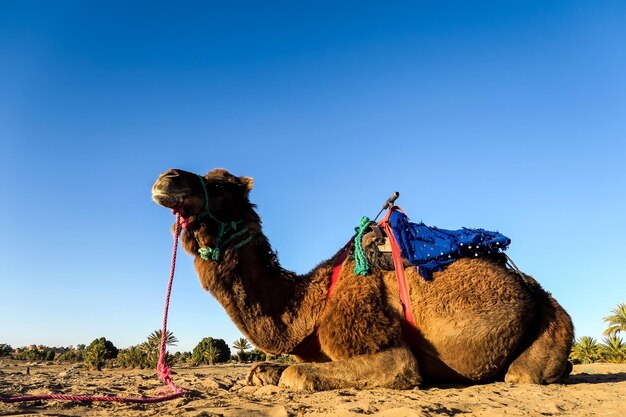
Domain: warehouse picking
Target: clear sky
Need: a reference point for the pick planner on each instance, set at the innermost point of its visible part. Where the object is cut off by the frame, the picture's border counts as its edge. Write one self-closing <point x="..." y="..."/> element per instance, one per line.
<point x="502" y="115"/>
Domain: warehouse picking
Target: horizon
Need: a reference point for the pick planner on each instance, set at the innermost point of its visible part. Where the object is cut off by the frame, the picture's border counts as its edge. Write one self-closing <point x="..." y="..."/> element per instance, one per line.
<point x="506" y="117"/>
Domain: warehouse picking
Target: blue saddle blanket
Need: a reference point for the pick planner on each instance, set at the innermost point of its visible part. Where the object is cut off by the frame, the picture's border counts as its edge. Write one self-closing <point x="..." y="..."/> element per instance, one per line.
<point x="432" y="249"/>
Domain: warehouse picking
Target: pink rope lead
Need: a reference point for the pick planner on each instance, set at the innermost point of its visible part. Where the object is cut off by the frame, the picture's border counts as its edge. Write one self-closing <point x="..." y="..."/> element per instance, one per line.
<point x="162" y="368"/>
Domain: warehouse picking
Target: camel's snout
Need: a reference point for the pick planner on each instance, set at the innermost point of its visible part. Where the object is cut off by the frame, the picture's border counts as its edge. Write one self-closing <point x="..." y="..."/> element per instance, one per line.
<point x="165" y="191"/>
<point x="169" y="201"/>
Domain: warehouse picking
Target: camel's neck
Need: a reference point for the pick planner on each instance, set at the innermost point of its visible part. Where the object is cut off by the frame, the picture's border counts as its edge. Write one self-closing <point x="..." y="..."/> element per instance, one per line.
<point x="274" y="308"/>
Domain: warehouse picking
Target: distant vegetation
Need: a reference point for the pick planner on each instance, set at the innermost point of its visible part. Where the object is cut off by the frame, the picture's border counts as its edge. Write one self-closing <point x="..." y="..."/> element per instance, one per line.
<point x="146" y="355"/>
<point x="102" y="353"/>
<point x="612" y="349"/>
<point x="5" y="350"/>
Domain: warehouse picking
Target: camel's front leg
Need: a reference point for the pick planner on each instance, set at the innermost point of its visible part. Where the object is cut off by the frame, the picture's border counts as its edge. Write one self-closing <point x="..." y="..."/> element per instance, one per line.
<point x="392" y="368"/>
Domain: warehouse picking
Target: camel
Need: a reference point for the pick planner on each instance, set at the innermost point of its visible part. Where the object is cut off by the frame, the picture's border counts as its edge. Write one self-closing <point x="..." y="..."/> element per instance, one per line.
<point x="476" y="321"/>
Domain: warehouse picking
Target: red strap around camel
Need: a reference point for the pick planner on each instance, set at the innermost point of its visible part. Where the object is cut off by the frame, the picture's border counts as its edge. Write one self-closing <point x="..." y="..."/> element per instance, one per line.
<point x="337" y="268"/>
<point x="403" y="287"/>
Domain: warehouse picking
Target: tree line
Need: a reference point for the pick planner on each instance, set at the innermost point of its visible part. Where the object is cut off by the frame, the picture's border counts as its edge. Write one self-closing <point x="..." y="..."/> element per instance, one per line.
<point x="102" y="353"/>
<point x="611" y="349"/>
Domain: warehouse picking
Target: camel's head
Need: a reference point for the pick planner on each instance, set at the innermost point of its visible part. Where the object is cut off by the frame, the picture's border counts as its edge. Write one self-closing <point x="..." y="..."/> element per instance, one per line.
<point x="217" y="195"/>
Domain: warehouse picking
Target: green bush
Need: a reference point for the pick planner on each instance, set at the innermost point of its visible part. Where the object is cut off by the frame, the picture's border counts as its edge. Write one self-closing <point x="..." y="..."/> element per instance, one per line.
<point x="40" y="354"/>
<point x="210" y="351"/>
<point x="181" y="358"/>
<point x="98" y="352"/>
<point x="286" y="359"/>
<point x="256" y="355"/>
<point x="71" y="356"/>
<point x="133" y="357"/>
<point x="95" y="355"/>
<point x="5" y="350"/>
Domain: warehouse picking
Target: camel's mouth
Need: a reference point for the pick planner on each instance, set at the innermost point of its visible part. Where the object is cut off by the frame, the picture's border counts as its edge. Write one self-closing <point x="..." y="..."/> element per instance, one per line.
<point x="176" y="202"/>
<point x="185" y="219"/>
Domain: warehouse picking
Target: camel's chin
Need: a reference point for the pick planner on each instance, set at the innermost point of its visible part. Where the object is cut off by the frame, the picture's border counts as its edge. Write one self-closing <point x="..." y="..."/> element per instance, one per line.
<point x="168" y="200"/>
<point x="185" y="221"/>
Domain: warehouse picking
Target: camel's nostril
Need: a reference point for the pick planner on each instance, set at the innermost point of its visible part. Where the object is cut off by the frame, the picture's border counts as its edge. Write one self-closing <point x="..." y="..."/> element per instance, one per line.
<point x="171" y="173"/>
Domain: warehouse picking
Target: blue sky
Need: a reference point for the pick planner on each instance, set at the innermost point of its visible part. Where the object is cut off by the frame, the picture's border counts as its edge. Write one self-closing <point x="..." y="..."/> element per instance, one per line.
<point x="501" y="115"/>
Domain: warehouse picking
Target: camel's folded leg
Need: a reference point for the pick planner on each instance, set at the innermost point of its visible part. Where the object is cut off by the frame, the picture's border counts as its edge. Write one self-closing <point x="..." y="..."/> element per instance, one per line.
<point x="392" y="368"/>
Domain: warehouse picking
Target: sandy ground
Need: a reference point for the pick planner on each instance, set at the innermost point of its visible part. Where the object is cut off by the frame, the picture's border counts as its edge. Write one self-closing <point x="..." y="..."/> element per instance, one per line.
<point x="593" y="390"/>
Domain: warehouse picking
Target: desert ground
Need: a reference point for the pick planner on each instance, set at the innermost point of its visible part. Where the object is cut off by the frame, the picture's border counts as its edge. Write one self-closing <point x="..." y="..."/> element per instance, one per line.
<point x="592" y="390"/>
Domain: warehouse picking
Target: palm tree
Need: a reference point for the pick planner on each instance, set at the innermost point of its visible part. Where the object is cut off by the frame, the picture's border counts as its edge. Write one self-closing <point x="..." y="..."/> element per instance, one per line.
<point x="617" y="320"/>
<point x="134" y="357"/>
<point x="95" y="355"/>
<point x="241" y="345"/>
<point x="211" y="354"/>
<point x="155" y="338"/>
<point x="613" y="349"/>
<point x="585" y="350"/>
<point x="152" y="347"/>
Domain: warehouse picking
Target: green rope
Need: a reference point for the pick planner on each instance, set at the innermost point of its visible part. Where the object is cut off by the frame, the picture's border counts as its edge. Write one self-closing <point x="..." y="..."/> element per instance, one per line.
<point x="214" y="253"/>
<point x="362" y="266"/>
<point x="244" y="242"/>
<point x="208" y="253"/>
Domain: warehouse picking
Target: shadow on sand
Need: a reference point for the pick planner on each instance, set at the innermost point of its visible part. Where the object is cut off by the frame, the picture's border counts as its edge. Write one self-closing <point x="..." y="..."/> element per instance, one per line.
<point x="578" y="378"/>
<point x="585" y="378"/>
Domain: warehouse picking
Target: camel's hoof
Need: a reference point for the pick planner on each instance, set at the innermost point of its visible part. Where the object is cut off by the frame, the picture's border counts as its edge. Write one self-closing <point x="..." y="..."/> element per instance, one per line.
<point x="265" y="373"/>
<point x="298" y="377"/>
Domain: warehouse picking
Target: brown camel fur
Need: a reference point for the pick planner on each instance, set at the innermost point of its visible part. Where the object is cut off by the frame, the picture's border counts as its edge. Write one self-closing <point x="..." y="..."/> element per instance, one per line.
<point x="477" y="321"/>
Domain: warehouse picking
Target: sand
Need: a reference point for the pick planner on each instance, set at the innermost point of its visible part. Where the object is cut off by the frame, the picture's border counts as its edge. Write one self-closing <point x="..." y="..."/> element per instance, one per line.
<point x="593" y="390"/>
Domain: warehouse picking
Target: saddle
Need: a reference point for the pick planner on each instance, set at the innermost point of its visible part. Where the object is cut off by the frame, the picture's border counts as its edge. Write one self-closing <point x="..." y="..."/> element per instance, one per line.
<point x="429" y="248"/>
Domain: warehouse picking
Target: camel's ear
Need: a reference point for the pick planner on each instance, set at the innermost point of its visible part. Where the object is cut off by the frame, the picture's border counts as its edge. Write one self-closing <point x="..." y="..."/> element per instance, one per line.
<point x="248" y="182"/>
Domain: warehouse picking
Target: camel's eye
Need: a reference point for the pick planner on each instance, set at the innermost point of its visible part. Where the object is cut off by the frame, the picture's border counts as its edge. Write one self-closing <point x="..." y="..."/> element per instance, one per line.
<point x="216" y="188"/>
